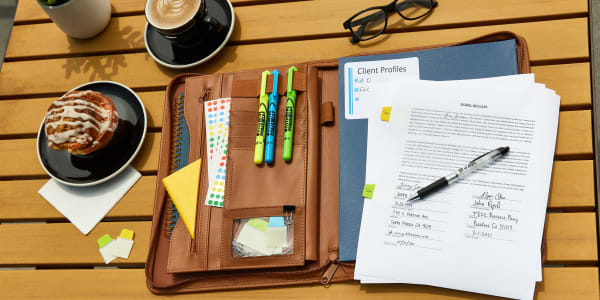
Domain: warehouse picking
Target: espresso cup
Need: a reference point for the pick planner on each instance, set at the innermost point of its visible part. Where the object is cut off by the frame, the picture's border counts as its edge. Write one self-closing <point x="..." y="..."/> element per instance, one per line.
<point x="180" y="20"/>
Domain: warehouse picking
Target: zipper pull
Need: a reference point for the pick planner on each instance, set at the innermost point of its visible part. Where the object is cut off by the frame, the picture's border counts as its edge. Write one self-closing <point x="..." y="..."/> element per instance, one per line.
<point x="331" y="269"/>
<point x="289" y="211"/>
<point x="205" y="94"/>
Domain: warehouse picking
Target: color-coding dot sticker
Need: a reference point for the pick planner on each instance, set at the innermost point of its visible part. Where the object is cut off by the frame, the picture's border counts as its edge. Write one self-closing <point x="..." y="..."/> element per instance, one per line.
<point x="217" y="131"/>
<point x="368" y="191"/>
<point x="386" y="112"/>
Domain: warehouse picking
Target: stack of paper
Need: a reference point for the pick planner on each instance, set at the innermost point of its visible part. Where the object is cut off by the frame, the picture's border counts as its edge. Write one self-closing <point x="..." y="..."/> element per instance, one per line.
<point x="482" y="234"/>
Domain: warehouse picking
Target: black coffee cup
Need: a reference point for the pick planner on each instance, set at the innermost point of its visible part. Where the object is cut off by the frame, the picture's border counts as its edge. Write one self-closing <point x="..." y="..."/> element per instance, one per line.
<point x="199" y="27"/>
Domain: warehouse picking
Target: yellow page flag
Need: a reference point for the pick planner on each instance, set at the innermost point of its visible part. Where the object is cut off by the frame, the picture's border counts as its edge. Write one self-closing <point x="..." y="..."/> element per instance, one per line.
<point x="182" y="186"/>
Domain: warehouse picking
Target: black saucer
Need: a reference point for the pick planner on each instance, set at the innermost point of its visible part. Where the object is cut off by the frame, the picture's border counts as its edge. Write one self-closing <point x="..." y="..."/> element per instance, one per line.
<point x="108" y="162"/>
<point x="188" y="54"/>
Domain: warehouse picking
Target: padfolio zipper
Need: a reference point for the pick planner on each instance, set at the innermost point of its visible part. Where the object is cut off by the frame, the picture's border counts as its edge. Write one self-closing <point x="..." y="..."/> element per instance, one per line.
<point x="204" y="97"/>
<point x="330" y="269"/>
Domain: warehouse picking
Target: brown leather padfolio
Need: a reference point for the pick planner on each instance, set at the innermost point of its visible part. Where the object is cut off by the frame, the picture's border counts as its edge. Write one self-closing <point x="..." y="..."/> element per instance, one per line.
<point x="177" y="263"/>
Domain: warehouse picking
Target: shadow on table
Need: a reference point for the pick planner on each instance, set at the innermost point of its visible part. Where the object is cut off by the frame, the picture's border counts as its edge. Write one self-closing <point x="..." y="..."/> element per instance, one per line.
<point x="103" y="67"/>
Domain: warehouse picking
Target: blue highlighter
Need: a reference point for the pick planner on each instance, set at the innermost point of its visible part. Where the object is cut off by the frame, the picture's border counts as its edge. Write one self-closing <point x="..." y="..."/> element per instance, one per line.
<point x="272" y="121"/>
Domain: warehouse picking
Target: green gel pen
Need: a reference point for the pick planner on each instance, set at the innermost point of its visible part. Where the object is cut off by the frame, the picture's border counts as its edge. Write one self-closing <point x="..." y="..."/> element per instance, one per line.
<point x="263" y="101"/>
<point x="290" y="113"/>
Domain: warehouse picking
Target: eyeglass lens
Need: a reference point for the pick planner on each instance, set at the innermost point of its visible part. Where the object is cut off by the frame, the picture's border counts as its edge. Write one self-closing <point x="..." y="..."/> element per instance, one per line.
<point x="414" y="9"/>
<point x="368" y="24"/>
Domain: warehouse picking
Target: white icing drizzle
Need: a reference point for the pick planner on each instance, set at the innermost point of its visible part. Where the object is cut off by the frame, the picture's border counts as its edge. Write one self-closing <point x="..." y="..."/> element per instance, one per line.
<point x="69" y="109"/>
<point x="75" y="94"/>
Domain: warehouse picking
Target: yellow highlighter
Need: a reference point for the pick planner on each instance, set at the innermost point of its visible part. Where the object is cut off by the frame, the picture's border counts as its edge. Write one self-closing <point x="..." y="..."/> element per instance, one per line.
<point x="261" y="125"/>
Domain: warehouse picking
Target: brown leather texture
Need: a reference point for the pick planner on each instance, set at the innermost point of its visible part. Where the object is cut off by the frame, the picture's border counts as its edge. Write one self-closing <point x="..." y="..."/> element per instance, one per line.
<point x="309" y="182"/>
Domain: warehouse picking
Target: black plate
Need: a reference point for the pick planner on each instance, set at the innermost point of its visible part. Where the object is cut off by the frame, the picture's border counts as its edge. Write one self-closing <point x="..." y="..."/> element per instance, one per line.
<point x="101" y="165"/>
<point x="183" y="55"/>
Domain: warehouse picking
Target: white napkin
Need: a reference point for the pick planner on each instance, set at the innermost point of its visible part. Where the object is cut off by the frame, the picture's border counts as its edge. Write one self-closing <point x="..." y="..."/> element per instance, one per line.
<point x="86" y="206"/>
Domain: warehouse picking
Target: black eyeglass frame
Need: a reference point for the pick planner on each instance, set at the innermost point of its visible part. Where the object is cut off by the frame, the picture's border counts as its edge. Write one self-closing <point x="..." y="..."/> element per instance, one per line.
<point x="394" y="6"/>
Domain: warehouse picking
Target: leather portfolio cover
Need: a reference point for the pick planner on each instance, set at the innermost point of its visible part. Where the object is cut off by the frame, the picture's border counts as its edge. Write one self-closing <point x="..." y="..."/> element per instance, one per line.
<point x="309" y="182"/>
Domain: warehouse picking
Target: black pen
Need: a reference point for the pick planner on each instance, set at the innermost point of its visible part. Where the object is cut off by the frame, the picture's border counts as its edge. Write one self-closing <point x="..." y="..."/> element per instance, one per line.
<point x="452" y="177"/>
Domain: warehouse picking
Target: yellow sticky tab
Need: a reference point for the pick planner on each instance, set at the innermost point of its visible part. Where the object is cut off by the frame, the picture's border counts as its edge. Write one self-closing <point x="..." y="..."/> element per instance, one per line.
<point x="127" y="234"/>
<point x="368" y="191"/>
<point x="182" y="186"/>
<point x="386" y="111"/>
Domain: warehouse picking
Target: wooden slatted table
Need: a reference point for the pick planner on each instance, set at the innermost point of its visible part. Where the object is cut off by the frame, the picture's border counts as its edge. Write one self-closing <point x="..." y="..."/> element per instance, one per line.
<point x="42" y="255"/>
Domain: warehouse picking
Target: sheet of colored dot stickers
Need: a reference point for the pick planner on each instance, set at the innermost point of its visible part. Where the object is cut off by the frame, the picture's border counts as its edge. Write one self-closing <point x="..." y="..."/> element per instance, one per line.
<point x="216" y="114"/>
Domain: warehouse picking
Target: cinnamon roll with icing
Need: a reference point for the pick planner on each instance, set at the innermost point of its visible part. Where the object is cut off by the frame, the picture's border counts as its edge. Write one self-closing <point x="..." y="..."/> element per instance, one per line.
<point x="81" y="122"/>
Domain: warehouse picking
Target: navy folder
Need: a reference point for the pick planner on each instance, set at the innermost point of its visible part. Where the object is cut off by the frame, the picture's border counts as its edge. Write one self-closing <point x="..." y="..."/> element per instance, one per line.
<point x="448" y="63"/>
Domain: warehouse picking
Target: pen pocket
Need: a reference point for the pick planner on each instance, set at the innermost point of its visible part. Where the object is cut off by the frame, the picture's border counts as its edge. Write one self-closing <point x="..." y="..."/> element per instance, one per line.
<point x="258" y="192"/>
<point x="263" y="237"/>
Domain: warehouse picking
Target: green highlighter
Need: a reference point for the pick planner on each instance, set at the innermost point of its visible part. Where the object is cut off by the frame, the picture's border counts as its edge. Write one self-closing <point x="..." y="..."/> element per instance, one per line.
<point x="263" y="102"/>
<point x="290" y="113"/>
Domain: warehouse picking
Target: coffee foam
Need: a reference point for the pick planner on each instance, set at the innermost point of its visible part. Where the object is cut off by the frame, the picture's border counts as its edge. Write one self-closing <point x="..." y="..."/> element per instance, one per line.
<point x="170" y="14"/>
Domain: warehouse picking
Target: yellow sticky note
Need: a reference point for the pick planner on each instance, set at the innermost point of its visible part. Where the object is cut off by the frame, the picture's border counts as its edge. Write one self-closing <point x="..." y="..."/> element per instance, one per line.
<point x="368" y="191"/>
<point x="386" y="111"/>
<point x="126" y="234"/>
<point x="182" y="186"/>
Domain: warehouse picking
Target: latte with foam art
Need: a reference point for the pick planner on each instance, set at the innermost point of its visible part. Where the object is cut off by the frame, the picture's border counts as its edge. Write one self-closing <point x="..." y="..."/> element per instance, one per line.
<point x="170" y="14"/>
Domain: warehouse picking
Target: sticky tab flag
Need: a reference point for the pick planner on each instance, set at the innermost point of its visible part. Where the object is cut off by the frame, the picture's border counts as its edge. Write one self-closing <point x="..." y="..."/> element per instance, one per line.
<point x="103" y="240"/>
<point x="386" y="111"/>
<point x="368" y="191"/>
<point x="126" y="234"/>
<point x="106" y="246"/>
<point x="276" y="237"/>
<point x="259" y="224"/>
<point x="276" y="222"/>
<point x="182" y="186"/>
<point x="122" y="247"/>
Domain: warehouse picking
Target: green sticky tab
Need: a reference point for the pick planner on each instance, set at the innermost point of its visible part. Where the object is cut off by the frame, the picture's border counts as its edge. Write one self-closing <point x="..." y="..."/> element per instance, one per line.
<point x="259" y="224"/>
<point x="105" y="239"/>
<point x="368" y="191"/>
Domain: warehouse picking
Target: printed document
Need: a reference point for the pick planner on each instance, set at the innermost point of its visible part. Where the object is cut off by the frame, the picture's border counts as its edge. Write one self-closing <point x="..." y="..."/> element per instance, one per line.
<point x="482" y="234"/>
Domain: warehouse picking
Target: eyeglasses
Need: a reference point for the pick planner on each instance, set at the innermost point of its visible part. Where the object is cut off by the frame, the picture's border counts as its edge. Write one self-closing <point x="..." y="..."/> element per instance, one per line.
<point x="372" y="22"/>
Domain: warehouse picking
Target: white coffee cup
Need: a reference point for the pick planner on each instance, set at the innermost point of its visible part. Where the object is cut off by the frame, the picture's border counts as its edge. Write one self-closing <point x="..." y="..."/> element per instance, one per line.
<point x="80" y="19"/>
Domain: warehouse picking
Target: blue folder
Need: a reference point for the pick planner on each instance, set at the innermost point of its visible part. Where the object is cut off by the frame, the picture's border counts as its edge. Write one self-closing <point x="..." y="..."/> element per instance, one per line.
<point x="448" y="63"/>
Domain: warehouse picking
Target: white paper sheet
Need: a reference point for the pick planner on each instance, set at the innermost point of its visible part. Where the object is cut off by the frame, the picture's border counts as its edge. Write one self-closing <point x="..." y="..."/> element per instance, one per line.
<point x="86" y="206"/>
<point x="482" y="234"/>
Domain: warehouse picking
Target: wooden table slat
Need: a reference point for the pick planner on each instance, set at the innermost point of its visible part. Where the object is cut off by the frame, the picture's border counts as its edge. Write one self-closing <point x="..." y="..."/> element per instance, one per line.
<point x="30" y="11"/>
<point x="557" y="41"/>
<point x="578" y="283"/>
<point x="318" y="18"/>
<point x="23" y="116"/>
<point x="571" y="239"/>
<point x="572" y="189"/>
<point x="574" y="142"/>
<point x="24" y="161"/>
<point x="20" y="201"/>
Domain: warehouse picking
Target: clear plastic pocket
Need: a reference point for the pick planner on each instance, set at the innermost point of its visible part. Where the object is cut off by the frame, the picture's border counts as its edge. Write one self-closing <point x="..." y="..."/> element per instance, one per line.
<point x="264" y="236"/>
